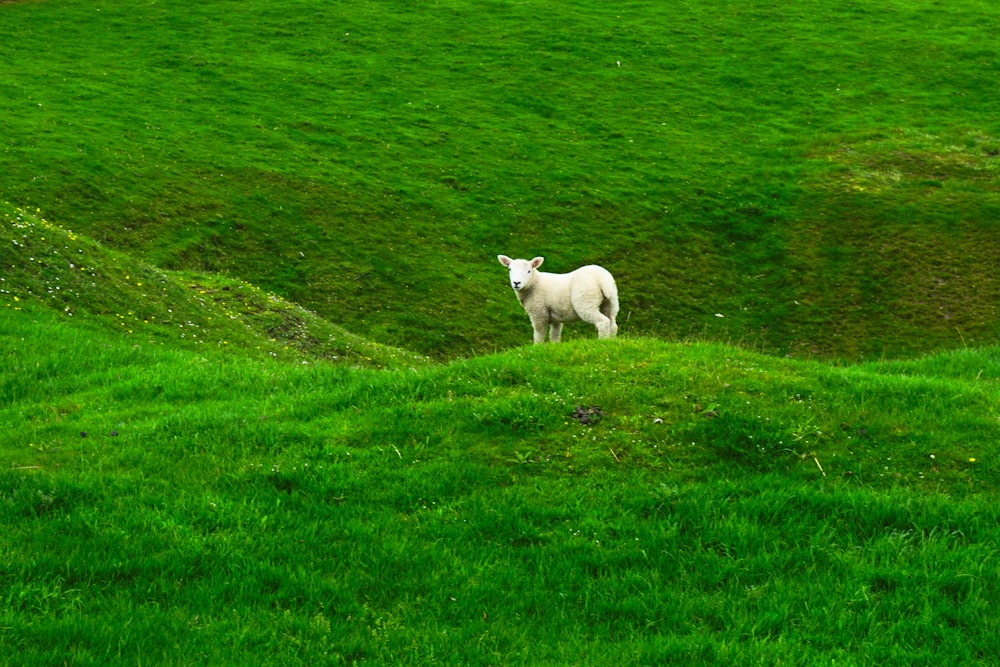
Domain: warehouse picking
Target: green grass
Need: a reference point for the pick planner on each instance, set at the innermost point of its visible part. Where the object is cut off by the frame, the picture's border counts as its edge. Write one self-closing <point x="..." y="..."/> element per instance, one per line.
<point x="823" y="174"/>
<point x="175" y="506"/>
<point x="75" y="276"/>
<point x="265" y="397"/>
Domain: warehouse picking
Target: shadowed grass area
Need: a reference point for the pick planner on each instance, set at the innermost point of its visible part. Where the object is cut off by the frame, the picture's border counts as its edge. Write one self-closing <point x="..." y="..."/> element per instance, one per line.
<point x="79" y="278"/>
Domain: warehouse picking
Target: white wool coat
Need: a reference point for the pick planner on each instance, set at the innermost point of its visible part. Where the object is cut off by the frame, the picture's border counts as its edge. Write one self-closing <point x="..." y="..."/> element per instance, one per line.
<point x="550" y="299"/>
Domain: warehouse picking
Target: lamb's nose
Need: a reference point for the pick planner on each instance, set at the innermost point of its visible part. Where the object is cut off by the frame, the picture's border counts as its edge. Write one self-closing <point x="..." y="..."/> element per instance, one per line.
<point x="515" y="283"/>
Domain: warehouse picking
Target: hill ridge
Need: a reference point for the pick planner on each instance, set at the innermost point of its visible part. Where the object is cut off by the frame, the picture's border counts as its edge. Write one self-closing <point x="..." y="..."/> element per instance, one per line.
<point x="78" y="277"/>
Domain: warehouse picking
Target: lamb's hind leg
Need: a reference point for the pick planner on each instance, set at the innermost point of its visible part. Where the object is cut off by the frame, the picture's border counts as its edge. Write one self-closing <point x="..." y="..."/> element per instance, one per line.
<point x="609" y="311"/>
<point x="592" y="306"/>
<point x="555" y="332"/>
<point x="606" y="327"/>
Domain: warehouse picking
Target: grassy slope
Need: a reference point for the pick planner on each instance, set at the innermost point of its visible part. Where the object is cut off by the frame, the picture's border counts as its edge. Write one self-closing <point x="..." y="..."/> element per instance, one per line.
<point x="823" y="174"/>
<point x="48" y="265"/>
<point x="177" y="506"/>
<point x="176" y="487"/>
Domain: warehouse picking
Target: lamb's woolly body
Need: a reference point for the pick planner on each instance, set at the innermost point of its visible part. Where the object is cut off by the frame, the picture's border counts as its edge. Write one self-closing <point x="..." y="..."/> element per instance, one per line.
<point x="550" y="299"/>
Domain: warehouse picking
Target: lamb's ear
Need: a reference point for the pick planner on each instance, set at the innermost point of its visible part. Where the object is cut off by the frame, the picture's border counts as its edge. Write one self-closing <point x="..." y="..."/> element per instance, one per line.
<point x="504" y="259"/>
<point x="537" y="262"/>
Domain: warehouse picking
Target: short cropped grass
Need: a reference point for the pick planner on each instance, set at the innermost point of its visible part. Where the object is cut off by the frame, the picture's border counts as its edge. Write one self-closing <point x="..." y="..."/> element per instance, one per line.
<point x="822" y="175"/>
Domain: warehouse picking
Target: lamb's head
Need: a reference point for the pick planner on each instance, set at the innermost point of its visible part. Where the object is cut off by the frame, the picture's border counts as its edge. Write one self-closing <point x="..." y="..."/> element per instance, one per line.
<point x="522" y="271"/>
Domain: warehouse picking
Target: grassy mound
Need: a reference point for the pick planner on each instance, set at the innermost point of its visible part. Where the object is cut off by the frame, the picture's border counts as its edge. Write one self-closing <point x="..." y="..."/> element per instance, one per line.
<point x="194" y="506"/>
<point x="50" y="266"/>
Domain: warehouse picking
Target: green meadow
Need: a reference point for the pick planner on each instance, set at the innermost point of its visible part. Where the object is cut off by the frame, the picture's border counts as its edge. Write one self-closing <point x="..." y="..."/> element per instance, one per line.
<point x="266" y="397"/>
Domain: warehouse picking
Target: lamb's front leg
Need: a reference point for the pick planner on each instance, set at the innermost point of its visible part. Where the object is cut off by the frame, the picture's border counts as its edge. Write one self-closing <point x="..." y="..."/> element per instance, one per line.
<point x="555" y="332"/>
<point x="539" y="325"/>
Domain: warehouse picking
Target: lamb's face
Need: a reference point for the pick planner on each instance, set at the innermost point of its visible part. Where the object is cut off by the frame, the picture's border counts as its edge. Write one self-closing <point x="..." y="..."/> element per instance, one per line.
<point x="521" y="274"/>
<point x="522" y="271"/>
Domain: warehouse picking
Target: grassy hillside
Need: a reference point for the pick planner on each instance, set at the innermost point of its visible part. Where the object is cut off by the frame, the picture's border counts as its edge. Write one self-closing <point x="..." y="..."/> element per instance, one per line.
<point x="821" y="174"/>
<point x="265" y="396"/>
<point x="47" y="265"/>
<point x="174" y="506"/>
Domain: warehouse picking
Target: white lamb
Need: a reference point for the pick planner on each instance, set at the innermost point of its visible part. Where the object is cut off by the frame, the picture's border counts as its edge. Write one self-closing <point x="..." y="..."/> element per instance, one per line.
<point x="587" y="294"/>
